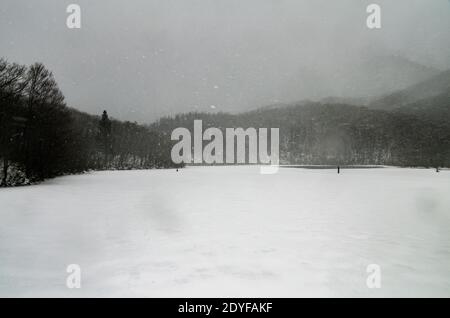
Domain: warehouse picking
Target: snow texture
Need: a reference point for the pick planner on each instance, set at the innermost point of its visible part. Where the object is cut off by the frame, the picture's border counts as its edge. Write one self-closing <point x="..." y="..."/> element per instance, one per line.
<point x="229" y="231"/>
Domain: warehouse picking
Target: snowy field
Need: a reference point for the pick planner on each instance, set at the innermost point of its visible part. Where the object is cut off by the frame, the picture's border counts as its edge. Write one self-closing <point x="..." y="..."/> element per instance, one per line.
<point x="229" y="231"/>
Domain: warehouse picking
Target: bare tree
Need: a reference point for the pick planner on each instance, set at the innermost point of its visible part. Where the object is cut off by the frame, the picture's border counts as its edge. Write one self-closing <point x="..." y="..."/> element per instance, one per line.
<point x="41" y="94"/>
<point x="12" y="84"/>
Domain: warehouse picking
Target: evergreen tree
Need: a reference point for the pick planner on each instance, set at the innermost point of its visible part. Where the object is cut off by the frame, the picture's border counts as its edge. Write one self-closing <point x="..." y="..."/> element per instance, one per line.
<point x="105" y="135"/>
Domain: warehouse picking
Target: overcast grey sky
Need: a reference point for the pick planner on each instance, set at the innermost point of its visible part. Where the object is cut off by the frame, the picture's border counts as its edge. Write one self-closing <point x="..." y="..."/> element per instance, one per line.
<point x="143" y="59"/>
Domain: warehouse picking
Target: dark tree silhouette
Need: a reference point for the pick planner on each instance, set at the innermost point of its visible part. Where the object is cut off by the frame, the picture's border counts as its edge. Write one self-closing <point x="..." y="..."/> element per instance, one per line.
<point x="12" y="84"/>
<point x="105" y="135"/>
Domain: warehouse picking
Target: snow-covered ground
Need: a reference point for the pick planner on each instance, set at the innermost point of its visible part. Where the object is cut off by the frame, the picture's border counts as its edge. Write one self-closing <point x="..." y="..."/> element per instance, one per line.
<point x="229" y="231"/>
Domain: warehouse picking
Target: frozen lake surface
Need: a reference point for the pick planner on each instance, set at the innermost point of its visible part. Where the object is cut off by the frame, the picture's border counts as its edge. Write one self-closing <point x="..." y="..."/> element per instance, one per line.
<point x="229" y="231"/>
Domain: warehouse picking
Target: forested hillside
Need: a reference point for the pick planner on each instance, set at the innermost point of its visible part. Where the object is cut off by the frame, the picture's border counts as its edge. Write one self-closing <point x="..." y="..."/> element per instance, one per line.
<point x="314" y="133"/>
<point x="40" y="137"/>
<point x="410" y="127"/>
<point x="435" y="109"/>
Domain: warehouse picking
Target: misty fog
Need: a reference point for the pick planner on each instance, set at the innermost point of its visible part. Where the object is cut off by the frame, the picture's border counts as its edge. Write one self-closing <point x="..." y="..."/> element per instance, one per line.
<point x="145" y="59"/>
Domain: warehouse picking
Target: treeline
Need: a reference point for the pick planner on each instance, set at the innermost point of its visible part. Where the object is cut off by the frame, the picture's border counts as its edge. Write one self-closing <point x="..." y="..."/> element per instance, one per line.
<point x="40" y="137"/>
<point x="112" y="144"/>
<point x="315" y="133"/>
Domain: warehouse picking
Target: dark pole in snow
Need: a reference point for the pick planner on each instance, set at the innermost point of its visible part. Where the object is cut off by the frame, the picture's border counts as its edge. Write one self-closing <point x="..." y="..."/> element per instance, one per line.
<point x="339" y="169"/>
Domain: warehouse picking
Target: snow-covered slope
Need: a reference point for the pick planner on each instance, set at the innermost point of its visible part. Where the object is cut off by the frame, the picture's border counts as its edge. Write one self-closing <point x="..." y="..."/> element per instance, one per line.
<point x="229" y="231"/>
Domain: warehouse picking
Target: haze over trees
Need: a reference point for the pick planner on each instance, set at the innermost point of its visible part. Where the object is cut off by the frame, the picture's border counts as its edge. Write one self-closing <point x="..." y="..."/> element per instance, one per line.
<point x="412" y="131"/>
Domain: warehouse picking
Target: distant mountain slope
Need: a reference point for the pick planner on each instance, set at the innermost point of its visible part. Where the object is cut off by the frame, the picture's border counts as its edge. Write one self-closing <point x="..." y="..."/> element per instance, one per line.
<point x="435" y="109"/>
<point x="355" y="101"/>
<point x="385" y="74"/>
<point x="433" y="87"/>
<point x="351" y="82"/>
